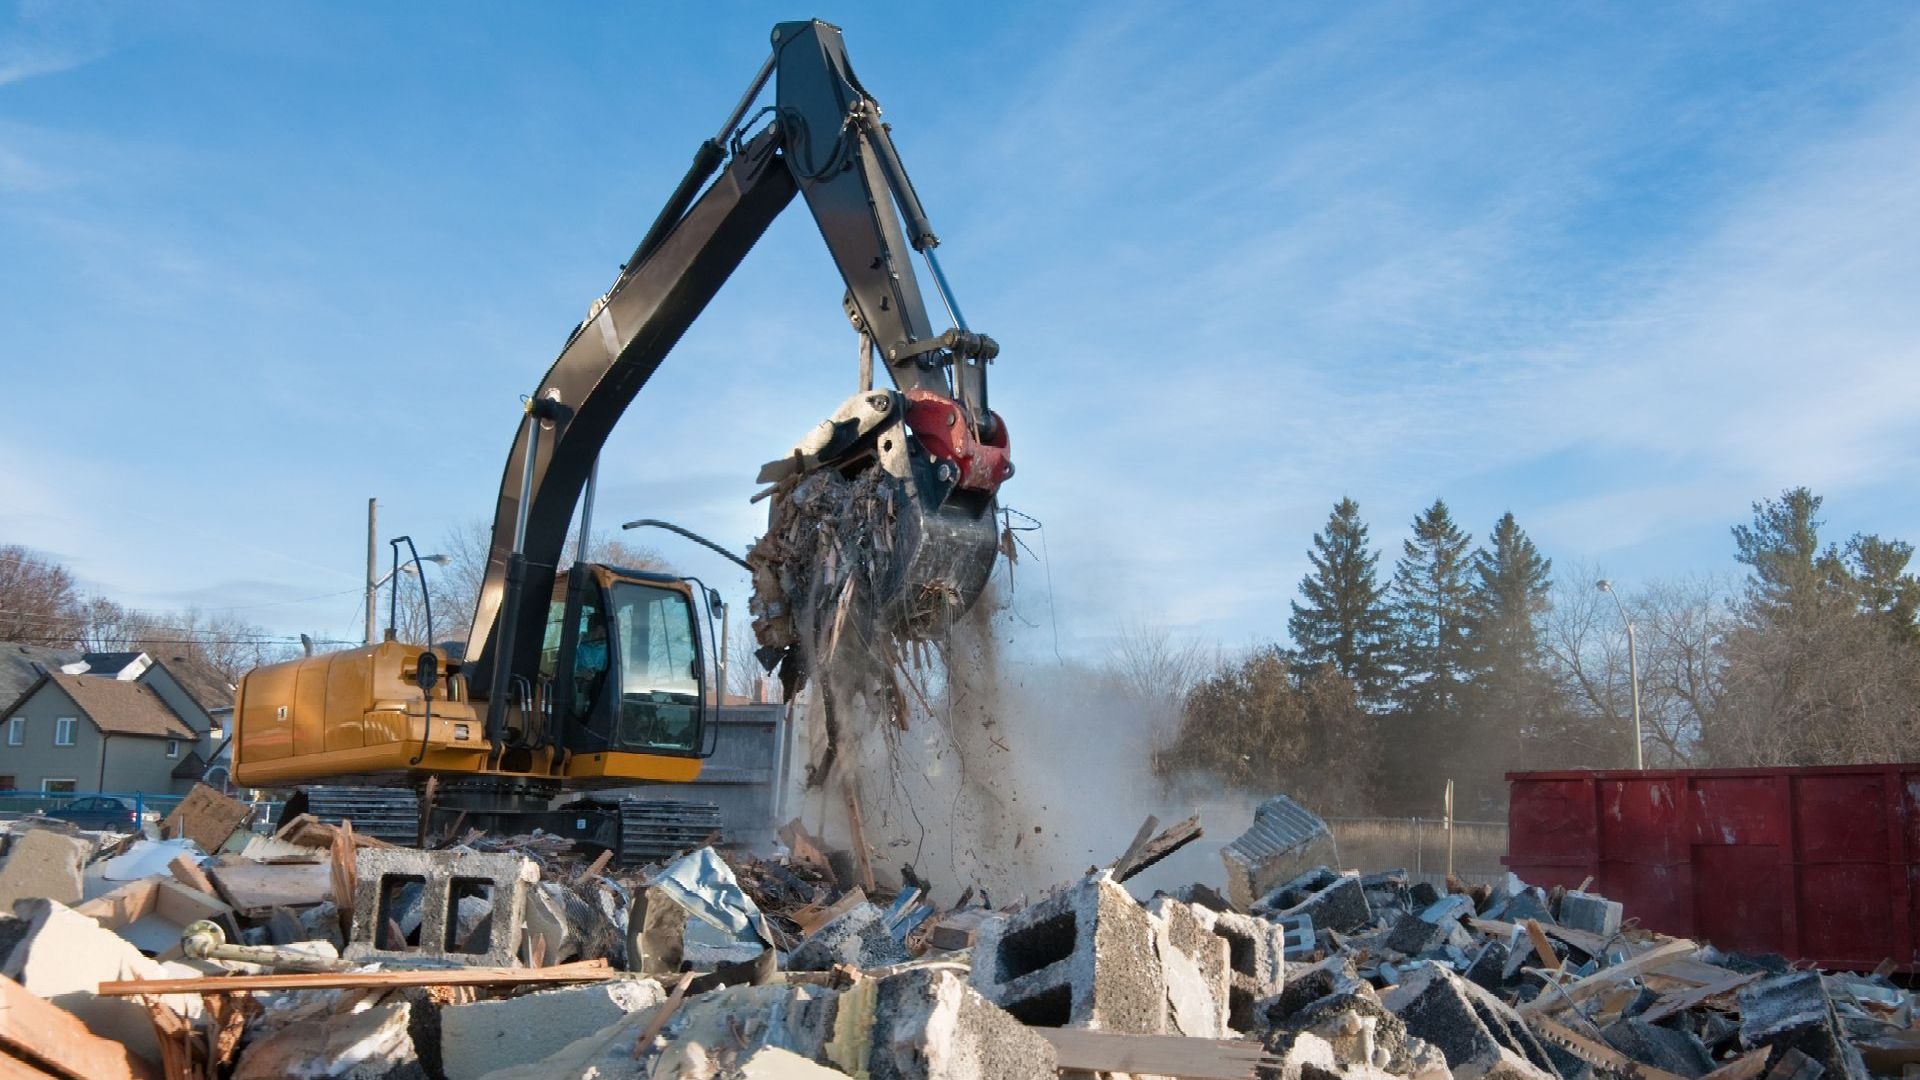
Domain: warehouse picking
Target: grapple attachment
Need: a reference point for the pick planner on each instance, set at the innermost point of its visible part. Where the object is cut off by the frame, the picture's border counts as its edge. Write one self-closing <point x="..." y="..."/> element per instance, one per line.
<point x="881" y="527"/>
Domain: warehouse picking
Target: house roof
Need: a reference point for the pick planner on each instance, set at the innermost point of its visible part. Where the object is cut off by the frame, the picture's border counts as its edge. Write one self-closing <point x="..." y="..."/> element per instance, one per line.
<point x="207" y="687"/>
<point x="191" y="767"/>
<point x="110" y="664"/>
<point x="22" y="665"/>
<point x="122" y="708"/>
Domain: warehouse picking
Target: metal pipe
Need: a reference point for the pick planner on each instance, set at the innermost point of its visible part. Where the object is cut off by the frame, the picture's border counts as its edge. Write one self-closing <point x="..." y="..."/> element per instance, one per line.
<point x="373" y="568"/>
<point x="706" y="159"/>
<point x="1633" y="669"/>
<point x="946" y="293"/>
<point x="586" y="512"/>
<point x="746" y="100"/>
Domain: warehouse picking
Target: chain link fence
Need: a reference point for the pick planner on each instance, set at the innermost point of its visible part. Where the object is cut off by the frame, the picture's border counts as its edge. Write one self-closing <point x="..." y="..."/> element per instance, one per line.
<point x="1426" y="848"/>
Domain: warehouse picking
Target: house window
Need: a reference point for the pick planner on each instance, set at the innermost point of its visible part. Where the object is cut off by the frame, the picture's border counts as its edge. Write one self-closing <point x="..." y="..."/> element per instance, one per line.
<point x="58" y="787"/>
<point x="173" y="747"/>
<point x="17" y="731"/>
<point x="63" y="731"/>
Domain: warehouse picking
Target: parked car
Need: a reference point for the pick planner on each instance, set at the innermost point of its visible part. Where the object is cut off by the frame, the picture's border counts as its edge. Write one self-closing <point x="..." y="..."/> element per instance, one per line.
<point x="102" y="812"/>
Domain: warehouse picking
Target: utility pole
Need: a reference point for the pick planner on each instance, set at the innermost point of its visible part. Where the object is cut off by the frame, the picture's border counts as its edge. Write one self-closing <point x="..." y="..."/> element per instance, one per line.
<point x="373" y="571"/>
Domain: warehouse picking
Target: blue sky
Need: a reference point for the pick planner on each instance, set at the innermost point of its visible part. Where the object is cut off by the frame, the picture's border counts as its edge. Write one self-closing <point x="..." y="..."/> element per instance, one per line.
<point x="1621" y="270"/>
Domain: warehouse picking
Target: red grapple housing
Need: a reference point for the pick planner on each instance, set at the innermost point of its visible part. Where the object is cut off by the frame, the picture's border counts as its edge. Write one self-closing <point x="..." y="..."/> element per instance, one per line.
<point x="946" y="432"/>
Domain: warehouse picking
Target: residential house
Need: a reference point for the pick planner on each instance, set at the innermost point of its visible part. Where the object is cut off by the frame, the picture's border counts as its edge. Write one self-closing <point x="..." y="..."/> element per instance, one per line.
<point x="120" y="722"/>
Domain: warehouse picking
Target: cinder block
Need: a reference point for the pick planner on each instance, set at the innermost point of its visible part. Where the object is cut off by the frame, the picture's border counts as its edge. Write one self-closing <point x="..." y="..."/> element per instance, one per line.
<point x="1478" y="1034"/>
<point x="1193" y="963"/>
<point x="388" y="878"/>
<point x="1663" y="1048"/>
<point x="1591" y="913"/>
<point x="1334" y="901"/>
<point x="928" y="1024"/>
<point x="1284" y="839"/>
<point x="42" y="863"/>
<point x="1793" y="1012"/>
<point x="1256" y="965"/>
<point x="1362" y="1031"/>
<point x="1083" y="956"/>
<point x="1387" y="891"/>
<point x="481" y="1036"/>
<point x="1304" y="986"/>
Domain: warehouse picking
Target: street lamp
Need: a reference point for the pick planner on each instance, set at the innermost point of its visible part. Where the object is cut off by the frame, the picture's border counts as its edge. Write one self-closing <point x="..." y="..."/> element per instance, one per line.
<point x="407" y="568"/>
<point x="1633" y="666"/>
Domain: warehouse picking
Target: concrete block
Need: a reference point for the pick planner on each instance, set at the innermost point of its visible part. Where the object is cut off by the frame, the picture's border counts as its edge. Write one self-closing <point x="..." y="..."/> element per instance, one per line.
<point x="63" y="957"/>
<point x="1488" y="970"/>
<point x="383" y="1042"/>
<point x="858" y="937"/>
<point x="1413" y="935"/>
<point x="740" y="1019"/>
<point x="1256" y="965"/>
<point x="773" y="1063"/>
<point x="1793" y="1012"/>
<point x="1193" y="964"/>
<point x="1360" y="1029"/>
<point x="389" y="878"/>
<point x="1387" y="891"/>
<point x="1661" y="1047"/>
<point x="1284" y="839"/>
<point x="1591" y="913"/>
<point x="1306" y="985"/>
<point x="1334" y="901"/>
<point x="929" y="1024"/>
<point x="482" y="1036"/>
<point x="1528" y="903"/>
<point x="42" y="863"/>
<point x="1476" y="1032"/>
<point x="1302" y="1055"/>
<point x="1083" y="956"/>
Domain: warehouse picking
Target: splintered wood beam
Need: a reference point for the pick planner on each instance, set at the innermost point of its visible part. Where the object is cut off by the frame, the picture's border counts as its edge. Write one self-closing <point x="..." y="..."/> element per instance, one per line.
<point x="1170" y="840"/>
<point x="53" y="1040"/>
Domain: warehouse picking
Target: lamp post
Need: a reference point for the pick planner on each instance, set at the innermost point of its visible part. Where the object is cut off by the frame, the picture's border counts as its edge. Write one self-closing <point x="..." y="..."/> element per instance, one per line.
<point x="1633" y="666"/>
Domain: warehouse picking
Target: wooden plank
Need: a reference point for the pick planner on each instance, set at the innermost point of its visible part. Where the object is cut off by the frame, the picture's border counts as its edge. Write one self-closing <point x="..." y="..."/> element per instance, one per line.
<point x="583" y="971"/>
<point x="1541" y="946"/>
<point x="206" y="817"/>
<point x="261" y="887"/>
<point x="1581" y="989"/>
<point x="804" y="847"/>
<point x="810" y="920"/>
<point x="1139" y="842"/>
<point x="1681" y="1002"/>
<point x="1161" y="1055"/>
<point x="859" y="838"/>
<point x="598" y="866"/>
<point x="44" y="1034"/>
<point x="1172" y="839"/>
<point x="13" y="1068"/>
<point x="1595" y="1054"/>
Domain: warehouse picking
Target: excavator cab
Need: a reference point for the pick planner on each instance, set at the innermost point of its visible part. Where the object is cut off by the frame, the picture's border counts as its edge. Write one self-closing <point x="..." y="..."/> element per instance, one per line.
<point x="622" y="664"/>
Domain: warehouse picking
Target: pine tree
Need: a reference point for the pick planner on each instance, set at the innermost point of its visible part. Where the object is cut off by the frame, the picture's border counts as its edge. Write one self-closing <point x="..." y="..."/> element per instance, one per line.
<point x="1510" y="583"/>
<point x="1344" y="620"/>
<point x="1431" y="608"/>
<point x="1791" y="575"/>
<point x="1888" y="594"/>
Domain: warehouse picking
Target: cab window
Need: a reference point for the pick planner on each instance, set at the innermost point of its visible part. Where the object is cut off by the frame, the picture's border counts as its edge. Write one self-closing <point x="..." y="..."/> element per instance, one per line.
<point x="656" y="643"/>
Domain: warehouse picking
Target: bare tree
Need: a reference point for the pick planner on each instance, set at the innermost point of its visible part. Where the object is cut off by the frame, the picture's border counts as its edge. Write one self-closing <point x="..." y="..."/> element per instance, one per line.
<point x="39" y="603"/>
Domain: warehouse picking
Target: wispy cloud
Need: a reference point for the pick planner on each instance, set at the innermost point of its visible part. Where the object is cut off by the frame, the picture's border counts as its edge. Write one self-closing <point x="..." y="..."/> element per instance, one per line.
<point x="46" y="37"/>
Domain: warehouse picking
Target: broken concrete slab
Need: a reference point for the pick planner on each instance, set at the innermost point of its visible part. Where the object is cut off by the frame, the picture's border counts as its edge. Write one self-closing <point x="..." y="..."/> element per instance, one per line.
<point x="64" y="957"/>
<point x="740" y="1019"/>
<point x="1194" y="966"/>
<point x="1476" y="1032"/>
<point x="929" y="1024"/>
<point x="857" y="936"/>
<point x="482" y="1036"/>
<point x="380" y="1042"/>
<point x="443" y="878"/>
<point x="1794" y="1012"/>
<point x="1663" y="1048"/>
<point x="1284" y="839"/>
<point x="1333" y="900"/>
<point x="43" y="863"/>
<point x="1590" y="913"/>
<point x="1305" y="985"/>
<point x="1082" y="956"/>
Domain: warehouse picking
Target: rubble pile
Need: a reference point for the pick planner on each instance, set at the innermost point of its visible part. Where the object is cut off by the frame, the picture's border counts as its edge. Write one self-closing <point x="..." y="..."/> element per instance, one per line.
<point x="316" y="952"/>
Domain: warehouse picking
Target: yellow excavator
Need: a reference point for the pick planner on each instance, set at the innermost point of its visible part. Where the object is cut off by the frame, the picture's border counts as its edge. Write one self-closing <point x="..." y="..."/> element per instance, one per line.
<point x="600" y="677"/>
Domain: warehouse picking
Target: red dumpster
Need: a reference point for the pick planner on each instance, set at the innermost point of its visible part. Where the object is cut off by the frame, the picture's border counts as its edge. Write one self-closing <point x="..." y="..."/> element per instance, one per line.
<point x="1816" y="864"/>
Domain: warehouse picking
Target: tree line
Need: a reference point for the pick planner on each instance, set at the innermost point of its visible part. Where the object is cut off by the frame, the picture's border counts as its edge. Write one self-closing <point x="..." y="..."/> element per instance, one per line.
<point x="1467" y="661"/>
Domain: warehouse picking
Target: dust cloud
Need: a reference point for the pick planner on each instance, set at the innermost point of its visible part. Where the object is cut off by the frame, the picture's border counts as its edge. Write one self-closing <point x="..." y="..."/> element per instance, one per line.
<point x="1009" y="776"/>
